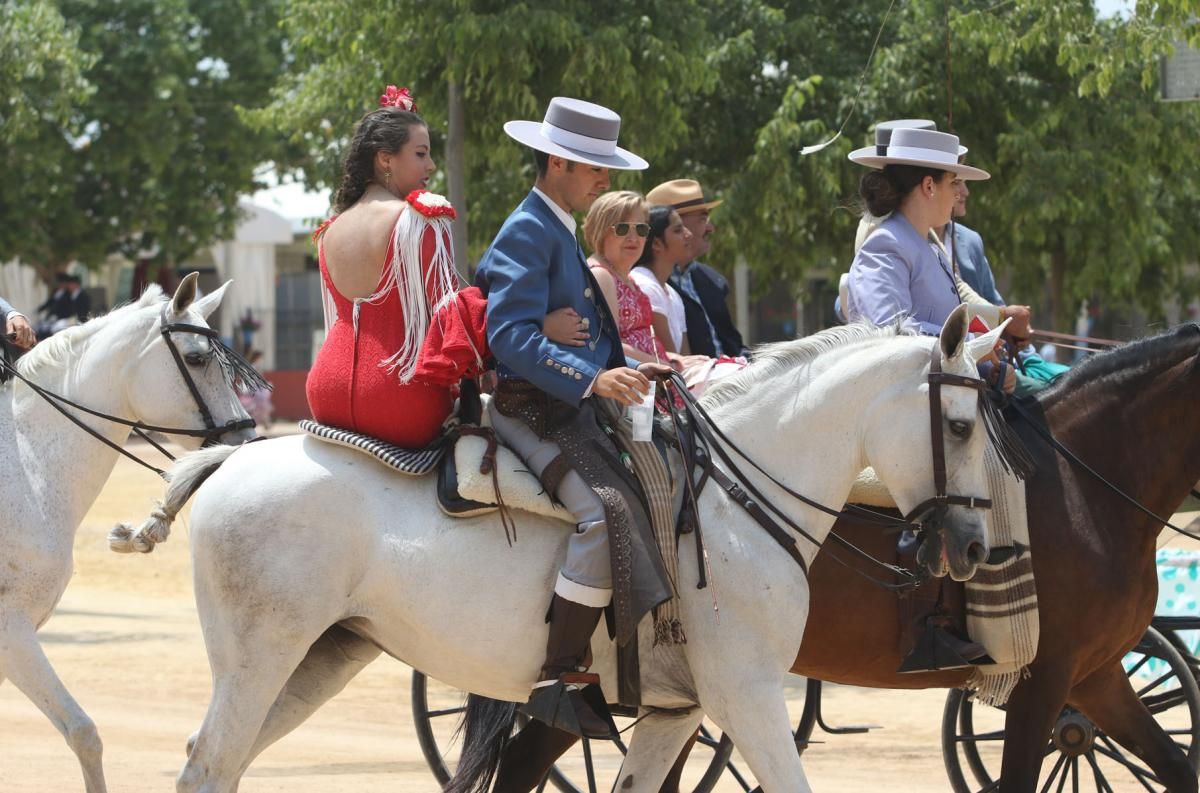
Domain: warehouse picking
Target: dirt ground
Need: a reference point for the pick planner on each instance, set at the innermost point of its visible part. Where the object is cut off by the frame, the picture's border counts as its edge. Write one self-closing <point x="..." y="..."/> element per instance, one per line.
<point x="126" y="642"/>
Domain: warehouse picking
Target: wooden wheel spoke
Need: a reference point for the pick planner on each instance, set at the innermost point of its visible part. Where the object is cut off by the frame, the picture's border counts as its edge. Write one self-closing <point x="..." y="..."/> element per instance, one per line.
<point x="1112" y="752"/>
<point x="1058" y="766"/>
<point x="1102" y="785"/>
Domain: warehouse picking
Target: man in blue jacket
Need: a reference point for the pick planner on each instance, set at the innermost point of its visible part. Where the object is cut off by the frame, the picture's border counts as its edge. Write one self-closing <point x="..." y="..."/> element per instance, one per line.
<point x="544" y="402"/>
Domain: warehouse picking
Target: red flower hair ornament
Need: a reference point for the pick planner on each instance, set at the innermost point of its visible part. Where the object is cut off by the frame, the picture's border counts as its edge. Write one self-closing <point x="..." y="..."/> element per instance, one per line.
<point x="431" y="205"/>
<point x="398" y="97"/>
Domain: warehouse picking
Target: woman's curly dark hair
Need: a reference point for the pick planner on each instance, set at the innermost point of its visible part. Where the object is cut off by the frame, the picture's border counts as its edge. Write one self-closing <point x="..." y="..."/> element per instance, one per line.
<point x="384" y="129"/>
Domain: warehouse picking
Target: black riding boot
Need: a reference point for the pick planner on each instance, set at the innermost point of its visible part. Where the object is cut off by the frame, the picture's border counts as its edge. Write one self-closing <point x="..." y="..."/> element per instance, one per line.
<point x="567" y="697"/>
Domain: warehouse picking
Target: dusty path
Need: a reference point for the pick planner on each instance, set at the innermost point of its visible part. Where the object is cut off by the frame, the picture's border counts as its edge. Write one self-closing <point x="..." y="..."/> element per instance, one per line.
<point x="126" y="641"/>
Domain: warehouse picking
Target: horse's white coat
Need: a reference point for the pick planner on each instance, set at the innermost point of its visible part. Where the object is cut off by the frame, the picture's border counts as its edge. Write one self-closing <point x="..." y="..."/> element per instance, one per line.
<point x="117" y="364"/>
<point x="292" y="536"/>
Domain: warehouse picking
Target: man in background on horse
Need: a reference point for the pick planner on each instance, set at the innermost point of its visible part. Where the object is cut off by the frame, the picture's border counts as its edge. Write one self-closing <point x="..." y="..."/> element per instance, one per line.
<point x="544" y="406"/>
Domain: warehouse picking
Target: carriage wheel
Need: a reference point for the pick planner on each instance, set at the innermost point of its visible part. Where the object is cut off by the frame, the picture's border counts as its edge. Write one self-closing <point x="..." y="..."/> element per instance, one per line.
<point x="589" y="766"/>
<point x="1079" y="754"/>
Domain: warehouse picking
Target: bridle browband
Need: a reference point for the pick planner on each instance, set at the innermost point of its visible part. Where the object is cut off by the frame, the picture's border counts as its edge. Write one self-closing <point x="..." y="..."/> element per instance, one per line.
<point x="751" y="499"/>
<point x="211" y="432"/>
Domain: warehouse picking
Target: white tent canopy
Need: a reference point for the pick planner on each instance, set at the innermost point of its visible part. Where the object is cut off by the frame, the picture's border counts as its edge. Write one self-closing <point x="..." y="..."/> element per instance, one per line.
<point x="21" y="287"/>
<point x="249" y="260"/>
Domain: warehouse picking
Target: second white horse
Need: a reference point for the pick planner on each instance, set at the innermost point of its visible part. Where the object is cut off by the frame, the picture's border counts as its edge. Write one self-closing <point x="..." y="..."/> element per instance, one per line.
<point x="309" y="559"/>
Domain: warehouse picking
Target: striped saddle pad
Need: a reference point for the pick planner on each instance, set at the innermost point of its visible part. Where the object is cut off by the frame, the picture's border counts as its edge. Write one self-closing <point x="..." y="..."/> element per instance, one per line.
<point x="414" y="462"/>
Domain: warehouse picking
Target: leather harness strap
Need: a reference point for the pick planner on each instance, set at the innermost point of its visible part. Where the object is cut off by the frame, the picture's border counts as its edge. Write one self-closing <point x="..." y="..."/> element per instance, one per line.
<point x="938" y="378"/>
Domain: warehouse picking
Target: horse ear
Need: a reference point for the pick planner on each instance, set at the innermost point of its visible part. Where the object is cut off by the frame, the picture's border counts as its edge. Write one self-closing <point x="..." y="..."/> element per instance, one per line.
<point x="208" y="304"/>
<point x="185" y="294"/>
<point x="954" y="333"/>
<point x="980" y="346"/>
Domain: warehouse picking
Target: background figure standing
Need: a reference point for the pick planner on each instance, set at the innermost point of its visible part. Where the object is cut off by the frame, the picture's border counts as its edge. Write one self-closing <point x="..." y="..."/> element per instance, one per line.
<point x="710" y="327"/>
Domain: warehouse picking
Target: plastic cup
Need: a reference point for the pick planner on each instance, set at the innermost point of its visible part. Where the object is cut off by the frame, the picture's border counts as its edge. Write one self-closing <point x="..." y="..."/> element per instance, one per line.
<point x="642" y="417"/>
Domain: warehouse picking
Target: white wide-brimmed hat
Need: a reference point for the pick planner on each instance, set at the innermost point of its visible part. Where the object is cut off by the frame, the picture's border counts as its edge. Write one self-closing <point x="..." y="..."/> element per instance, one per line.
<point x="909" y="145"/>
<point x="578" y="131"/>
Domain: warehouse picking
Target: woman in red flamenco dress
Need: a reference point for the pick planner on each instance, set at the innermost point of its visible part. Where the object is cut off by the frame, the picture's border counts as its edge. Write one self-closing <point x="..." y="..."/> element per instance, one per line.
<point x="388" y="274"/>
<point x="386" y="267"/>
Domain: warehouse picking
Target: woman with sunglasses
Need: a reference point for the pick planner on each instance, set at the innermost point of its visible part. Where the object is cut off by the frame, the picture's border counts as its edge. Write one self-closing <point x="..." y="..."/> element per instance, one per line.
<point x="615" y="229"/>
<point x="668" y="245"/>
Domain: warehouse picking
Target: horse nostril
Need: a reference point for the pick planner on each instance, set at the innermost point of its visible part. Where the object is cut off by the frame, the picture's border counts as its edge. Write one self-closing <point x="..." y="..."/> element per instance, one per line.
<point x="976" y="553"/>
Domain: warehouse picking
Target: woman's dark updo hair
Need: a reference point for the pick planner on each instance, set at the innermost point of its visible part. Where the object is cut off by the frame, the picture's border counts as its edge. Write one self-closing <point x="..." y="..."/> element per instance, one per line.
<point x="384" y="129"/>
<point x="660" y="219"/>
<point x="882" y="191"/>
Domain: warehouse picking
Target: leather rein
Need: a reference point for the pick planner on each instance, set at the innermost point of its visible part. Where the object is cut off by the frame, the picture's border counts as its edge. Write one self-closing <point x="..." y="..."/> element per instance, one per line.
<point x="752" y="500"/>
<point x="211" y="432"/>
<point x="1070" y="456"/>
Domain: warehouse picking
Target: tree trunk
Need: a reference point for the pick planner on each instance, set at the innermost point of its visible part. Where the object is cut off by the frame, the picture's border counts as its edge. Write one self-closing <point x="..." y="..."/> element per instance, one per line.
<point x="456" y="177"/>
<point x="1061" y="317"/>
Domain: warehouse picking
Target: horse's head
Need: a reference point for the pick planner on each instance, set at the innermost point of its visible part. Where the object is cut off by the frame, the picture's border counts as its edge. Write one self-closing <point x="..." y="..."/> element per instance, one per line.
<point x="937" y="408"/>
<point x="183" y="376"/>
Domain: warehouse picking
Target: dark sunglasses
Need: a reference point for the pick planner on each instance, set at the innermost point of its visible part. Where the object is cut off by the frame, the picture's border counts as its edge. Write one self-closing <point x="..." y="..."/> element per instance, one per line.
<point x="622" y="229"/>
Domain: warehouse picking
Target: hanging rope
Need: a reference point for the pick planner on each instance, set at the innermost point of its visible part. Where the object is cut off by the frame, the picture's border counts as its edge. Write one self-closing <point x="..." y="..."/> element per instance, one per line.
<point x="862" y="79"/>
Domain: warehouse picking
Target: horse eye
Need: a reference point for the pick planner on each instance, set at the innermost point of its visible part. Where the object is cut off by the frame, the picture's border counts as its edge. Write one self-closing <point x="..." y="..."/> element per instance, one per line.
<point x="960" y="429"/>
<point x="195" y="358"/>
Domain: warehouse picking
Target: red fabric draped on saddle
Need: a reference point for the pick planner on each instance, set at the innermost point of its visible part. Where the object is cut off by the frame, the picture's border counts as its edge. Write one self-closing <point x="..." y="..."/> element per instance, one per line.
<point x="357" y="382"/>
<point x="456" y="345"/>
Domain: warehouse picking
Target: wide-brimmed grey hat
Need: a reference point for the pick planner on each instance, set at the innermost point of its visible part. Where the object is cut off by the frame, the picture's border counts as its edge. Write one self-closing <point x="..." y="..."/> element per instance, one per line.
<point x="915" y="146"/>
<point x="578" y="131"/>
<point x="884" y="130"/>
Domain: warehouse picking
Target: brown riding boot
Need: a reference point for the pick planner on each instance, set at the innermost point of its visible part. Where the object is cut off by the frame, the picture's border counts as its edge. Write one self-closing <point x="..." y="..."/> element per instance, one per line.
<point x="566" y="696"/>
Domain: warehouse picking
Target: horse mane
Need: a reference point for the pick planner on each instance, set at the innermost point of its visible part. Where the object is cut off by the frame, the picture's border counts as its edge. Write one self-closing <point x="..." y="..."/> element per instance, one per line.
<point x="775" y="358"/>
<point x="1111" y="367"/>
<point x="58" y="350"/>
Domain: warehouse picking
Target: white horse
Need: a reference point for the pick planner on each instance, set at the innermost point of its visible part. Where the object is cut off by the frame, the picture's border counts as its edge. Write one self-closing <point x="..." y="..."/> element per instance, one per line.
<point x="120" y="365"/>
<point x="309" y="559"/>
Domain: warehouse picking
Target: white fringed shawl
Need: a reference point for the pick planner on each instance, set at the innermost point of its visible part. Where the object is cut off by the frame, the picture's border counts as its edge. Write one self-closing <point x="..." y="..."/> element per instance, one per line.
<point x="403" y="273"/>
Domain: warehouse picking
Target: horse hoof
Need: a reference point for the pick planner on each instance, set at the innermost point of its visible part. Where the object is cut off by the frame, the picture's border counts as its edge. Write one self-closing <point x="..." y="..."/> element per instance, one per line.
<point x="120" y="538"/>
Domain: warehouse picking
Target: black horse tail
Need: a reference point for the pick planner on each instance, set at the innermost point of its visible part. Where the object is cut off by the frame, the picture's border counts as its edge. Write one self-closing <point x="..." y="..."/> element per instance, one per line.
<point x="486" y="727"/>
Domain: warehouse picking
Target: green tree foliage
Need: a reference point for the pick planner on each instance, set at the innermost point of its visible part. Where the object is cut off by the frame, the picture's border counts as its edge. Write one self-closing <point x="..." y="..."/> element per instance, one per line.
<point x="146" y="150"/>
<point x="509" y="58"/>
<point x="41" y="69"/>
<point x="1095" y="182"/>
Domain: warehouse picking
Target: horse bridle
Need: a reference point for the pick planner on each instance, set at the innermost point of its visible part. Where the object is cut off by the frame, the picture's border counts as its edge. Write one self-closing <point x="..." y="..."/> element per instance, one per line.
<point x="751" y="499"/>
<point x="211" y="432"/>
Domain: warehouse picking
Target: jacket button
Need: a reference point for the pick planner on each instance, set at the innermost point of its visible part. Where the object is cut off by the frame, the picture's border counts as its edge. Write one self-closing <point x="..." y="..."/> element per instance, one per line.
<point x="578" y="376"/>
<point x="549" y="362"/>
<point x="587" y="291"/>
<point x="591" y="345"/>
<point x="586" y="321"/>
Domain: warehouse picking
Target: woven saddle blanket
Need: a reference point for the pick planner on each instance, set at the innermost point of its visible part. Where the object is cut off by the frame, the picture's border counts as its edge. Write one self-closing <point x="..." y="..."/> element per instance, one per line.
<point x="519" y="487"/>
<point x="1001" y="599"/>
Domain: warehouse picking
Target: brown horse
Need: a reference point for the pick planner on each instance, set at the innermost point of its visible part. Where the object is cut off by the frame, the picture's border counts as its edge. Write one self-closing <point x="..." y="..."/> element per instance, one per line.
<point x="1133" y="414"/>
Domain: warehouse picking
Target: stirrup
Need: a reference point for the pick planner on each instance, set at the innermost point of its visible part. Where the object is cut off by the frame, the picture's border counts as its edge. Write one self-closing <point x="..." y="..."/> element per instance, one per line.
<point x="940" y="649"/>
<point x="574" y="703"/>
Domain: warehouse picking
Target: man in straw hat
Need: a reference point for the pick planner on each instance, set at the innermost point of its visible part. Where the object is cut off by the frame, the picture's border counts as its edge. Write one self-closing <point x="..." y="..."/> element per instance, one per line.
<point x="710" y="328"/>
<point x="545" y="407"/>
